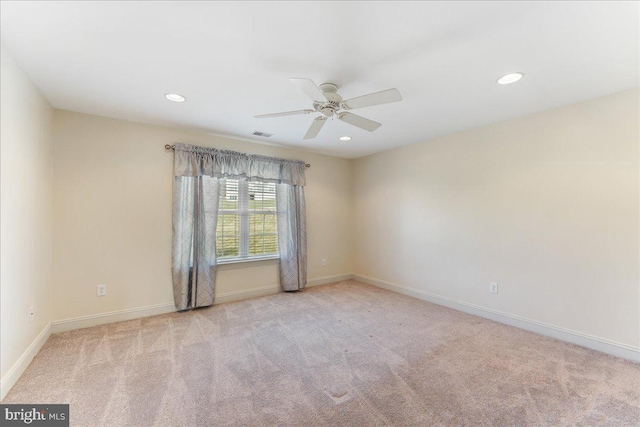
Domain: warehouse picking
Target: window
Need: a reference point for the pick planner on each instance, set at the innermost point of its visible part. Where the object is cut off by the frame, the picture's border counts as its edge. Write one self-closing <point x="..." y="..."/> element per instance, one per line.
<point x="247" y="220"/>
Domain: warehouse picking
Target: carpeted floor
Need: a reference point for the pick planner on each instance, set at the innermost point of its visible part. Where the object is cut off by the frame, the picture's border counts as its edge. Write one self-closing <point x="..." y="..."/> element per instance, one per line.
<point x="346" y="354"/>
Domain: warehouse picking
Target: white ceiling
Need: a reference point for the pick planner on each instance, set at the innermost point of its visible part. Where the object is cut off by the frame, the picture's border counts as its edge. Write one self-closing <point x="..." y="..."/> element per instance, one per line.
<point x="234" y="59"/>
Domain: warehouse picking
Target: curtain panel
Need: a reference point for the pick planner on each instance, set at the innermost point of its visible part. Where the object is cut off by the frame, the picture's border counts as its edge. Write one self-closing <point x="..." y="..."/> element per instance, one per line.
<point x="292" y="236"/>
<point x="198" y="174"/>
<point x="194" y="265"/>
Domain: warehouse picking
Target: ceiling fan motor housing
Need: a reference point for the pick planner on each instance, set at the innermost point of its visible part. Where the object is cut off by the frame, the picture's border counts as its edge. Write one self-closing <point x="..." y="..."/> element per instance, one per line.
<point x="328" y="88"/>
<point x="330" y="91"/>
<point x="329" y="108"/>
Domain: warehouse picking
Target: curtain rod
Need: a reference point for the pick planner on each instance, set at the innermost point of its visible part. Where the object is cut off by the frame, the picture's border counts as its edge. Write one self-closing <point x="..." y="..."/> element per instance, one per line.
<point x="173" y="147"/>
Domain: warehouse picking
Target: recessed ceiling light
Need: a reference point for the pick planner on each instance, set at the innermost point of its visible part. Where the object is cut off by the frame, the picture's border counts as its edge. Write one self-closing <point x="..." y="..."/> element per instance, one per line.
<point x="175" y="97"/>
<point x="345" y="138"/>
<point x="510" y="78"/>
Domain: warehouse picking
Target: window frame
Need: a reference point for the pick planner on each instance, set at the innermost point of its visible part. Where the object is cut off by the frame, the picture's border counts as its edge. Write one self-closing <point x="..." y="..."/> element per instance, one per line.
<point x="244" y="213"/>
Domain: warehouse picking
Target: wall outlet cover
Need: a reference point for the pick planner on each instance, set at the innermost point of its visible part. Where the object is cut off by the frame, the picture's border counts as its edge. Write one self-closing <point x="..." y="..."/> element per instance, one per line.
<point x="493" y="288"/>
<point x="102" y="290"/>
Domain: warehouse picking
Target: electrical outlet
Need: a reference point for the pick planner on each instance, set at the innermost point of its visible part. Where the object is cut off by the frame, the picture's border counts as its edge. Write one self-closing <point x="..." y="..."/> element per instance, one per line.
<point x="102" y="290"/>
<point x="493" y="288"/>
<point x="31" y="313"/>
<point x="324" y="262"/>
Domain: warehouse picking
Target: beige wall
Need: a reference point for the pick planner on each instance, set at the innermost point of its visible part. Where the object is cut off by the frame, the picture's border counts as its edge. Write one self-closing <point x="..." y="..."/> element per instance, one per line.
<point x="25" y="216"/>
<point x="545" y="205"/>
<point x="112" y="214"/>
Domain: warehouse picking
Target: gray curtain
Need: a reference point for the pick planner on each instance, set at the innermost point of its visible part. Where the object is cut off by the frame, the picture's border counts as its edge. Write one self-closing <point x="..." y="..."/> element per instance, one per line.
<point x="198" y="172"/>
<point x="292" y="236"/>
<point x="195" y="217"/>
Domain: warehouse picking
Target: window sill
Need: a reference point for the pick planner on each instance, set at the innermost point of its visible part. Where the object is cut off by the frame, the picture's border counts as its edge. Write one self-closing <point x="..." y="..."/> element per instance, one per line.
<point x="230" y="261"/>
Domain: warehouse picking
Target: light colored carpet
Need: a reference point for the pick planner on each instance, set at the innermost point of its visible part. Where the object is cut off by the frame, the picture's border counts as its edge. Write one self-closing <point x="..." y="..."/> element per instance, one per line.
<point x="346" y="354"/>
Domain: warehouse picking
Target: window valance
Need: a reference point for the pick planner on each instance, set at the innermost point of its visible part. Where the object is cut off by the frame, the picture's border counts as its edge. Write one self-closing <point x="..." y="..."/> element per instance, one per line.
<point x="191" y="160"/>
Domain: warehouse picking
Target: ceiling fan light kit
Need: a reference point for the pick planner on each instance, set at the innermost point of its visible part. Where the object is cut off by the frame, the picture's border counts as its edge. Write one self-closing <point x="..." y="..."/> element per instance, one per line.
<point x="329" y="103"/>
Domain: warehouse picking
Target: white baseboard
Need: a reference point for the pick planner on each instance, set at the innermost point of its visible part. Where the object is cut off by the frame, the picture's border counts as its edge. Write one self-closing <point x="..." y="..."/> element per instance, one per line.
<point x="624" y="351"/>
<point x="328" y="279"/>
<point x="110" y="317"/>
<point x="21" y="364"/>
<point x="249" y="293"/>
<point x="274" y="289"/>
<point x="152" y="310"/>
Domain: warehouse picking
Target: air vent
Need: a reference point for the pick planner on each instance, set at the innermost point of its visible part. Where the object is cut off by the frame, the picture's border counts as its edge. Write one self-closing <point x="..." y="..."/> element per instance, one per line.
<point x="262" y="134"/>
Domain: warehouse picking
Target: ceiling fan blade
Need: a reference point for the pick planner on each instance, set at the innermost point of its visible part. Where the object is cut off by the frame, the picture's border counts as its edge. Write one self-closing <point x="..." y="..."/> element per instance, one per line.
<point x="310" y="88"/>
<point x="377" y="98"/>
<point x="315" y="127"/>
<point x="287" y="113"/>
<point x="359" y="121"/>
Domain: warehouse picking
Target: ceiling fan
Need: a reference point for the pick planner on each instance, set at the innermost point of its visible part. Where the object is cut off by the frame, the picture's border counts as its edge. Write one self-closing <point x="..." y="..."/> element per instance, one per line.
<point x="327" y="102"/>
